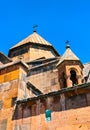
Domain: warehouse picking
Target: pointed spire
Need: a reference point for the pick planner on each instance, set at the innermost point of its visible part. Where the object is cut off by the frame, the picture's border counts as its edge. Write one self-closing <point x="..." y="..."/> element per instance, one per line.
<point x="68" y="55"/>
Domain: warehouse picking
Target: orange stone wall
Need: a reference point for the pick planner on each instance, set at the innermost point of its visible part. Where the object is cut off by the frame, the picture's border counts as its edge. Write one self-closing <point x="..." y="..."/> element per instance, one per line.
<point x="11" y="81"/>
<point x="67" y="112"/>
<point x="65" y="115"/>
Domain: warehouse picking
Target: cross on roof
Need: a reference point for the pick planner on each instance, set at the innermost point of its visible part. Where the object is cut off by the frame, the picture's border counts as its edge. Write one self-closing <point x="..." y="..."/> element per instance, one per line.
<point x="34" y="28"/>
<point x="67" y="42"/>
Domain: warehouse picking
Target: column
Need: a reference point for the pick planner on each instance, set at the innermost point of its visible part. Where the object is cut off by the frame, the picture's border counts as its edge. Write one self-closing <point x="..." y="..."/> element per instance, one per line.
<point x="79" y="79"/>
<point x="68" y="81"/>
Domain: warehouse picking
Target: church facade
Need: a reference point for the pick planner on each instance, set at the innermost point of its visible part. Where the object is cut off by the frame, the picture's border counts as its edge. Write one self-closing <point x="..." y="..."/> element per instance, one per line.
<point x="42" y="90"/>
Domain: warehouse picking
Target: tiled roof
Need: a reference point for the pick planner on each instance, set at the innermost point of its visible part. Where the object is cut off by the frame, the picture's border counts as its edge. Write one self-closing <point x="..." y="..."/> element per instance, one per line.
<point x="33" y="38"/>
<point x="68" y="55"/>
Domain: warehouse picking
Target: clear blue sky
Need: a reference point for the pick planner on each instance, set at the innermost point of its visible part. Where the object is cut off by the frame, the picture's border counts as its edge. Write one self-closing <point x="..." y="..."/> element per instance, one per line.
<point x="57" y="20"/>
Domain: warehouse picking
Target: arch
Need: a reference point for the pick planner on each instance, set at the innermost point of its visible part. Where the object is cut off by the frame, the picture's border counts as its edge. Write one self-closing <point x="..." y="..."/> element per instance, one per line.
<point x="73" y="77"/>
<point x="74" y="70"/>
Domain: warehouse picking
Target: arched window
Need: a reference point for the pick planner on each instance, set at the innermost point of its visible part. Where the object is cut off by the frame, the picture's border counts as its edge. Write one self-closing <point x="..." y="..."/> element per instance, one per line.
<point x="73" y="77"/>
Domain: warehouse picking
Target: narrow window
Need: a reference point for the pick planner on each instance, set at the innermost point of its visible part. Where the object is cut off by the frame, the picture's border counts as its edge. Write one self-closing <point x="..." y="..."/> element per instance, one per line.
<point x="48" y="115"/>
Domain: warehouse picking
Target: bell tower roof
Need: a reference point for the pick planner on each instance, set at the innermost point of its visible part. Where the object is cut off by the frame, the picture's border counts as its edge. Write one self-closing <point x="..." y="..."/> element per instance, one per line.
<point x="68" y="55"/>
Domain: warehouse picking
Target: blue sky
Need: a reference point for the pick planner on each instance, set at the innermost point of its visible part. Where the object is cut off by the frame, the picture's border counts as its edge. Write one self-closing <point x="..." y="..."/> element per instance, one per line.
<point x="57" y="20"/>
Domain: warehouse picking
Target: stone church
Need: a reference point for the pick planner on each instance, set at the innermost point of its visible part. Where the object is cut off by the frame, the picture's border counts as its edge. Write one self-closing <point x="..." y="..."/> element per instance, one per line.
<point x="42" y="90"/>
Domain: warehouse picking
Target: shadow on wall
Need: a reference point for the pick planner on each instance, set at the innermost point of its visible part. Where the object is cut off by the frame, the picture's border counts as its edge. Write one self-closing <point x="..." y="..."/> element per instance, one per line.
<point x="55" y="104"/>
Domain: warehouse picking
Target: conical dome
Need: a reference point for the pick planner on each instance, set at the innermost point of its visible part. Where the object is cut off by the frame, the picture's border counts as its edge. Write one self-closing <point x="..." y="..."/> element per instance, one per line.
<point x="31" y="48"/>
<point x="33" y="38"/>
<point x="68" y="56"/>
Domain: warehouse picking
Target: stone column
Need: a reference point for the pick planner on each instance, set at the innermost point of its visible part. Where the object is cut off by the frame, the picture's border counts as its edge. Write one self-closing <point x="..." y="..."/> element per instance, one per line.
<point x="79" y="79"/>
<point x="38" y="117"/>
<point x="62" y="101"/>
<point x="68" y="81"/>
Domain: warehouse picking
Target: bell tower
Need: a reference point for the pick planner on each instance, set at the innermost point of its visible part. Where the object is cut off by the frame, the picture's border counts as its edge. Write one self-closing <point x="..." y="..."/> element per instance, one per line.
<point x="69" y="69"/>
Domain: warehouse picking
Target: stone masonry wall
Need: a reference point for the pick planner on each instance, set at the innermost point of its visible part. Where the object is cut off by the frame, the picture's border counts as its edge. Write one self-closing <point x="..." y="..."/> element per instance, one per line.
<point x="66" y="114"/>
<point x="45" y="78"/>
<point x="8" y="96"/>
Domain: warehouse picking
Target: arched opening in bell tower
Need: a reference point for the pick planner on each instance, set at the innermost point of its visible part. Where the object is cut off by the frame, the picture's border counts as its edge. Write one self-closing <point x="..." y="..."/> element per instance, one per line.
<point x="73" y="77"/>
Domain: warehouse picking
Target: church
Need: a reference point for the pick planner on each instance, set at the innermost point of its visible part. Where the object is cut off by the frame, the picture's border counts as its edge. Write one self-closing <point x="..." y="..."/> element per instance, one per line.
<point x="43" y="90"/>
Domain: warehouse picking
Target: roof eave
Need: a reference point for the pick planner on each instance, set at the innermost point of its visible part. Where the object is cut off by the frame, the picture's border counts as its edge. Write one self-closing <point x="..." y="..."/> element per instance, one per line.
<point x="58" y="92"/>
<point x="14" y="63"/>
<point x="69" y="61"/>
<point x="30" y="43"/>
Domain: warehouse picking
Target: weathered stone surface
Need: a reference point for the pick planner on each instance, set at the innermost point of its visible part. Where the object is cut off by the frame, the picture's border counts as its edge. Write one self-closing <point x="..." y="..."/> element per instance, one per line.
<point x="24" y="107"/>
